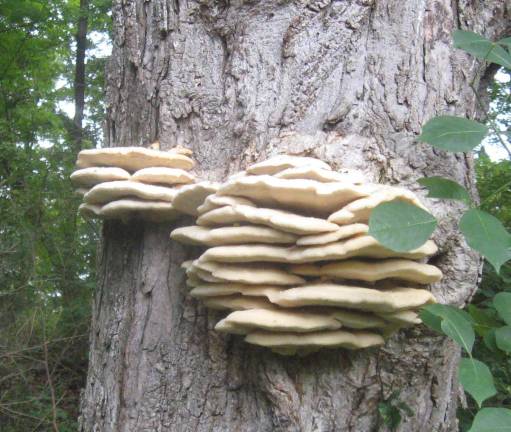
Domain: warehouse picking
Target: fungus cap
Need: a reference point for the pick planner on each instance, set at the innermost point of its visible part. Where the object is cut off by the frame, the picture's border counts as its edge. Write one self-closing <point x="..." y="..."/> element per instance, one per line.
<point x="343" y="232"/>
<point x="257" y="274"/>
<point x="215" y="201"/>
<point x="237" y="175"/>
<point x="190" y="197"/>
<point x="132" y="158"/>
<point x="237" y="303"/>
<point x="202" y="290"/>
<point x="92" y="176"/>
<point x="332" y="339"/>
<point x="198" y="235"/>
<point x="357" y="320"/>
<point x="278" y="219"/>
<point x="111" y="191"/>
<point x="90" y="211"/>
<point x="129" y="208"/>
<point x="193" y="281"/>
<point x="363" y="246"/>
<point x="360" y="210"/>
<point x="405" y="317"/>
<point x="353" y="297"/>
<point x="278" y="321"/>
<point x="162" y="175"/>
<point x="322" y="175"/>
<point x="282" y="162"/>
<point x="181" y="150"/>
<point x="186" y="264"/>
<point x="295" y="194"/>
<point x="204" y="276"/>
<point x="371" y="271"/>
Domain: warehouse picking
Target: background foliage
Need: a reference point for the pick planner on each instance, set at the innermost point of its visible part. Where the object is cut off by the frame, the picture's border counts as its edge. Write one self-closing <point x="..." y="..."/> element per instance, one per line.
<point x="47" y="253"/>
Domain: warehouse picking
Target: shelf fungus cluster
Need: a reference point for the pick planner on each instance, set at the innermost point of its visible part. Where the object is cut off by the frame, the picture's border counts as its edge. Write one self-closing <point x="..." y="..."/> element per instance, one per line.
<point x="289" y="256"/>
<point x="133" y="182"/>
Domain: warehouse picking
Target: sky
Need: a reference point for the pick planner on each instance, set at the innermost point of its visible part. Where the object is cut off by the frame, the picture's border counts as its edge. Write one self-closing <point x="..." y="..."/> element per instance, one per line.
<point x="495" y="151"/>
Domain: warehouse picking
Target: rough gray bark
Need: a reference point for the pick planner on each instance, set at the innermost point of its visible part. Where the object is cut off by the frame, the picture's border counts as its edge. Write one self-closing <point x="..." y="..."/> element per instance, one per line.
<point x="232" y="80"/>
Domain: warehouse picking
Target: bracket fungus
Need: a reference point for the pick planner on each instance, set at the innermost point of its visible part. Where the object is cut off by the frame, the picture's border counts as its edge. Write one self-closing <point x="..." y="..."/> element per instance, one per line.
<point x="132" y="182"/>
<point x="322" y="175"/>
<point x="279" y="163"/>
<point x="88" y="177"/>
<point x="199" y="235"/>
<point x="287" y="253"/>
<point x="133" y="158"/>
<point x="190" y="197"/>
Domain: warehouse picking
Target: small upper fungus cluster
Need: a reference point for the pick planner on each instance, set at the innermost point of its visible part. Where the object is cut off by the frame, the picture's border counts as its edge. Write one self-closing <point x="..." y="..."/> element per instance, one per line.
<point x="288" y="253"/>
<point x="128" y="182"/>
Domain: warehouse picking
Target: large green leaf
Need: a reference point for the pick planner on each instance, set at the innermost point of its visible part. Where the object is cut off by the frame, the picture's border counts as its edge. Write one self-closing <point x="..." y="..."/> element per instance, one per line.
<point x="476" y="379"/>
<point x="401" y="226"/>
<point x="439" y="187"/>
<point x="502" y="302"/>
<point x="454" y="323"/>
<point x="492" y="420"/>
<point x="455" y="134"/>
<point x="482" y="48"/>
<point x="503" y="338"/>
<point x="486" y="234"/>
<point x="506" y="42"/>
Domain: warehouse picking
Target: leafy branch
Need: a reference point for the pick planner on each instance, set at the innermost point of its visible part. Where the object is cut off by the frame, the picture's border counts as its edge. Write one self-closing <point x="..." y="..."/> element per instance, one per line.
<point x="402" y="227"/>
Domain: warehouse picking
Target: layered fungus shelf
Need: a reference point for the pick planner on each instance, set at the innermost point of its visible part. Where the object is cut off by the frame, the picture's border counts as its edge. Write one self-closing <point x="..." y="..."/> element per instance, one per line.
<point x="132" y="182"/>
<point x="287" y="252"/>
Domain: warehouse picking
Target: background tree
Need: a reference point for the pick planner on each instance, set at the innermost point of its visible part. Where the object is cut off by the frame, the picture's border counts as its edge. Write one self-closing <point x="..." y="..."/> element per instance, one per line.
<point x="231" y="81"/>
<point x="47" y="255"/>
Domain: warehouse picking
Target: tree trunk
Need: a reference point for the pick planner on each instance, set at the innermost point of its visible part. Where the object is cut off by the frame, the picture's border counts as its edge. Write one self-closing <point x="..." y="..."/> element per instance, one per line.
<point x="234" y="81"/>
<point x="79" y="80"/>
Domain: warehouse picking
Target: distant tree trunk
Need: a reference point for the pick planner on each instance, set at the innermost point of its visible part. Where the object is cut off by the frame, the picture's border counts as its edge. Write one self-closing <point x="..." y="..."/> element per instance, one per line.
<point x="69" y="282"/>
<point x="79" y="81"/>
<point x="231" y="80"/>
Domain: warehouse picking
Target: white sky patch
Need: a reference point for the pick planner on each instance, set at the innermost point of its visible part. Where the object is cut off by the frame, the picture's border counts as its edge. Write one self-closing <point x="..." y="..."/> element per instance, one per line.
<point x="495" y="151"/>
<point x="68" y="107"/>
<point x="102" y="45"/>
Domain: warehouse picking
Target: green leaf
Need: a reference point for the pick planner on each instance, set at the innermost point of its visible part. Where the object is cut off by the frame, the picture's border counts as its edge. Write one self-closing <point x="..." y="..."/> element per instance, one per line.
<point x="482" y="48"/>
<point x="486" y="234"/>
<point x="505" y="274"/>
<point x="502" y="302"/>
<point x="455" y="134"/>
<point x="455" y="323"/>
<point x="503" y="338"/>
<point x="439" y="187"/>
<point x="401" y="226"/>
<point x="431" y="320"/>
<point x="484" y="319"/>
<point x="476" y="379"/>
<point x="506" y="42"/>
<point x="490" y="341"/>
<point x="492" y="420"/>
<point x="459" y="331"/>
